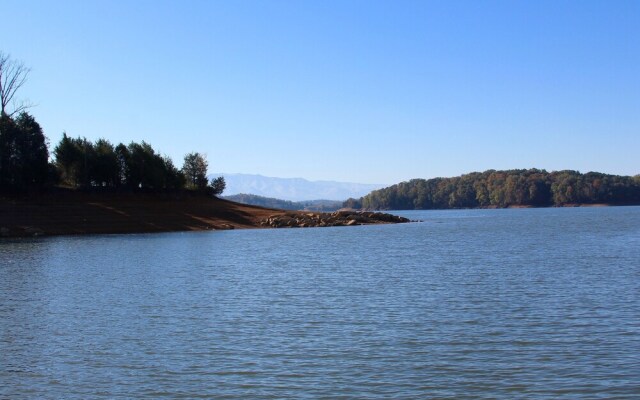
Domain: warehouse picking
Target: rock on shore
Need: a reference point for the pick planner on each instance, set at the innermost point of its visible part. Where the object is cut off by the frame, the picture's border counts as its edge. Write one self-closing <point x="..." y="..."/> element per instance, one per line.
<point x="338" y="218"/>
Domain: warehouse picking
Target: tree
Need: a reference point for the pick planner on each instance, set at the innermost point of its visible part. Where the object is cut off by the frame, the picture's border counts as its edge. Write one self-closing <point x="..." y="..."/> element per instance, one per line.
<point x="146" y="168"/>
<point x="195" y="170"/>
<point x="174" y="178"/>
<point x="23" y="153"/>
<point x="75" y="158"/>
<point x="13" y="74"/>
<point x="68" y="159"/>
<point x="123" y="158"/>
<point x="352" y="203"/>
<point x="105" y="169"/>
<point x="218" y="185"/>
<point x="8" y="136"/>
<point x="34" y="151"/>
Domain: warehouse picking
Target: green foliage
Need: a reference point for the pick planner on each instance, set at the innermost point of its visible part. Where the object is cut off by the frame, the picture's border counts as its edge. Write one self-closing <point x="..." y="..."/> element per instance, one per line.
<point x="195" y="168"/>
<point x="532" y="187"/>
<point x="23" y="153"/>
<point x="104" y="164"/>
<point x="218" y="185"/>
<point x="352" y="203"/>
<point x="71" y="158"/>
<point x="137" y="166"/>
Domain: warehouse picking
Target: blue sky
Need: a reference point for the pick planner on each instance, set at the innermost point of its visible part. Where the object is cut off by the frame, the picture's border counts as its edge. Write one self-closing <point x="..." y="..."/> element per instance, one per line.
<point x="361" y="91"/>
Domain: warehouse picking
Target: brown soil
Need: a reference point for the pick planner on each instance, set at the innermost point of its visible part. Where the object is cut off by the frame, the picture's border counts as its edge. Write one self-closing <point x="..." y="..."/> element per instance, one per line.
<point x="69" y="212"/>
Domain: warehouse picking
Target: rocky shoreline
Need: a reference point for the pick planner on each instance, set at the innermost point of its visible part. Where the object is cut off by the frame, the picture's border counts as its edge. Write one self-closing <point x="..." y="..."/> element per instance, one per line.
<point x="338" y="218"/>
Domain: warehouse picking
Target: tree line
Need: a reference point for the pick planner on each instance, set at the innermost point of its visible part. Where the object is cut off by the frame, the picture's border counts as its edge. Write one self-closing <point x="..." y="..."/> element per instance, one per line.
<point x="82" y="164"/>
<point x="520" y="187"/>
<point x="78" y="162"/>
<point x="270" y="202"/>
<point x="85" y="164"/>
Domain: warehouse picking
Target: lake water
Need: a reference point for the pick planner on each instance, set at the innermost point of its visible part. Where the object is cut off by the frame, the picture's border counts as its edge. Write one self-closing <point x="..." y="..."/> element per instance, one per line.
<point x="530" y="303"/>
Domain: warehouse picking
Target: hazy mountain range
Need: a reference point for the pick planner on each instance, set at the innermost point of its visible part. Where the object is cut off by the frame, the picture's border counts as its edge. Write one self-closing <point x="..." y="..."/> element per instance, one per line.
<point x="294" y="189"/>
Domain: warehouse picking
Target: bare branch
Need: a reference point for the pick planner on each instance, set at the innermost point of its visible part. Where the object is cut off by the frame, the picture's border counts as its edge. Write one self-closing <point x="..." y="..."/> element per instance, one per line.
<point x="20" y="107"/>
<point x="13" y="74"/>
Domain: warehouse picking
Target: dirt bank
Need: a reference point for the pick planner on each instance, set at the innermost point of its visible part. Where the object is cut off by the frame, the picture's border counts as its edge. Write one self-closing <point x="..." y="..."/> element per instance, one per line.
<point x="73" y="213"/>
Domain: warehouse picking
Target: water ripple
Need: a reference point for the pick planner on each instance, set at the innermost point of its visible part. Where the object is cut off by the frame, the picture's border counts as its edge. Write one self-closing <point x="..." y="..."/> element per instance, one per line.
<point x="479" y="304"/>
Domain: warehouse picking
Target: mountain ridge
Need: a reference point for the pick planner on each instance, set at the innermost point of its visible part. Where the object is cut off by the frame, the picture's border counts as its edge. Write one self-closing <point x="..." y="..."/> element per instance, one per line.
<point x="293" y="189"/>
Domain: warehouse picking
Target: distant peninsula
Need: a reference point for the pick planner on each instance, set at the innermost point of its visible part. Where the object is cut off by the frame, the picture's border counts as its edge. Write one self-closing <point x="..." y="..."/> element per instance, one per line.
<point x="507" y="188"/>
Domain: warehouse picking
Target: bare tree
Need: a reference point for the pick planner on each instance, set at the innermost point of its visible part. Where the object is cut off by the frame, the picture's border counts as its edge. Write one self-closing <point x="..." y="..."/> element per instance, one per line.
<point x="13" y="74"/>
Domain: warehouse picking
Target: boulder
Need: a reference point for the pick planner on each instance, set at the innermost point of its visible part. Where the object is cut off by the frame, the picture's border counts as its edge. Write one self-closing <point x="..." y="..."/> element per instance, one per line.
<point x="338" y="218"/>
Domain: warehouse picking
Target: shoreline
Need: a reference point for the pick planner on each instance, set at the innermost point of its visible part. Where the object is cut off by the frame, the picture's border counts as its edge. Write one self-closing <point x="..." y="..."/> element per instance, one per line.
<point x="68" y="212"/>
<point x="65" y="212"/>
<point x="568" y="205"/>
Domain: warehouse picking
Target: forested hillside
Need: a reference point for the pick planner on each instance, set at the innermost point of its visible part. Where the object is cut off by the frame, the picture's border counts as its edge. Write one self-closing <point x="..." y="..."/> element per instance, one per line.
<point x="269" y="202"/>
<point x="532" y="187"/>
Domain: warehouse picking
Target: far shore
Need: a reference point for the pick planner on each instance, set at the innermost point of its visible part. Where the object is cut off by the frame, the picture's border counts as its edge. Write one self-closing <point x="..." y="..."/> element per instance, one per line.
<point x="569" y="205"/>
